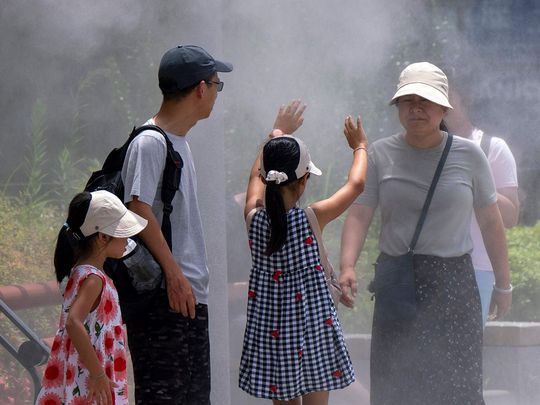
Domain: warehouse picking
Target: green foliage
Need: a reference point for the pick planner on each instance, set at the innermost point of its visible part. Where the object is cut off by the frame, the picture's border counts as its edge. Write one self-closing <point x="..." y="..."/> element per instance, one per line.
<point x="32" y="197"/>
<point x="524" y="257"/>
<point x="26" y="246"/>
<point x="43" y="186"/>
<point x="109" y="79"/>
<point x="71" y="175"/>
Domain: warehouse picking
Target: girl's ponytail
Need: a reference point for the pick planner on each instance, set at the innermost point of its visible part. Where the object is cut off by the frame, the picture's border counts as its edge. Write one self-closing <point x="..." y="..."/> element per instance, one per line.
<point x="280" y="154"/>
<point x="275" y="208"/>
<point x="64" y="255"/>
<point x="71" y="243"/>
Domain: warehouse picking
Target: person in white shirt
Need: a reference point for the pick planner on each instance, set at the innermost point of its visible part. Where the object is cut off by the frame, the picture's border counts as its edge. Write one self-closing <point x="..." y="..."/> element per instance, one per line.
<point x="503" y="169"/>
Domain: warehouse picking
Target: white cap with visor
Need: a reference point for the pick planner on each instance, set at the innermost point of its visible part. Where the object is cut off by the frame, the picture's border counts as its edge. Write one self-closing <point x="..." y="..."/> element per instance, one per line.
<point x="108" y="215"/>
<point x="304" y="165"/>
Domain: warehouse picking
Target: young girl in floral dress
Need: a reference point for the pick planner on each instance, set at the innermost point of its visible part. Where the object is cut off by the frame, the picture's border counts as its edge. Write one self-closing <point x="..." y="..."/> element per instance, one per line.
<point x="294" y="351"/>
<point x="87" y="364"/>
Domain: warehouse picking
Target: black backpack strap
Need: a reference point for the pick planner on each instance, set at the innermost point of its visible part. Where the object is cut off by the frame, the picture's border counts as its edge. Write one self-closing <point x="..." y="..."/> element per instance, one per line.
<point x="431" y="191"/>
<point x="170" y="182"/>
<point x="485" y="144"/>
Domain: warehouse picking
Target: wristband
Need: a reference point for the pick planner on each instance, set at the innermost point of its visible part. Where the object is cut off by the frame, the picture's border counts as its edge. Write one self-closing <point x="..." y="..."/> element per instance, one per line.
<point x="360" y="147"/>
<point x="503" y="290"/>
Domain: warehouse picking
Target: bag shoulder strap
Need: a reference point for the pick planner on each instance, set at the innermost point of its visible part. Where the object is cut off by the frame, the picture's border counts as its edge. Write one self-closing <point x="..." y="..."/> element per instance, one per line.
<point x="431" y="191"/>
<point x="314" y="224"/>
<point x="172" y="174"/>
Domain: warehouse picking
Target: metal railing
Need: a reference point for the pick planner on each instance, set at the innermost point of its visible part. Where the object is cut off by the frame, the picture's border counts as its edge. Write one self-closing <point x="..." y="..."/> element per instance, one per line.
<point x="32" y="352"/>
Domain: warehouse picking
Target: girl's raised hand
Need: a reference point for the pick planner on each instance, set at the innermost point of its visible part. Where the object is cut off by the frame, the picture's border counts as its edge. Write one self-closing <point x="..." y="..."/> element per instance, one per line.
<point x="289" y="117"/>
<point x="356" y="137"/>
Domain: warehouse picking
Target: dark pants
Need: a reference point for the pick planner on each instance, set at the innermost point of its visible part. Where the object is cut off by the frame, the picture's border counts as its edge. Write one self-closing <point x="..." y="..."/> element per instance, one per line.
<point x="436" y="358"/>
<point x="170" y="355"/>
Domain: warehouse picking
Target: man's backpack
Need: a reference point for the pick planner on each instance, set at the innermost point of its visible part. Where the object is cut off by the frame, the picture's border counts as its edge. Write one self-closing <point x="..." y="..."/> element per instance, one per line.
<point x="110" y="178"/>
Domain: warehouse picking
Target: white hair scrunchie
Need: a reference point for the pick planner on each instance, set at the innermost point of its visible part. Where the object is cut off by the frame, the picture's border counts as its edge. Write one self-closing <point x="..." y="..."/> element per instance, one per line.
<point x="278" y="177"/>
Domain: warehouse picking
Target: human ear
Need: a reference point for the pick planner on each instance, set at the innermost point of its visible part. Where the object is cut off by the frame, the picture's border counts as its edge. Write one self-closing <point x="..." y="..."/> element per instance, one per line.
<point x="103" y="238"/>
<point x="201" y="88"/>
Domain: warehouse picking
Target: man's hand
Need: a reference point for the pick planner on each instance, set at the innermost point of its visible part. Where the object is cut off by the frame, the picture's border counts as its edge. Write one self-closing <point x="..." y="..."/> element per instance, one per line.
<point x="289" y="117"/>
<point x="180" y="294"/>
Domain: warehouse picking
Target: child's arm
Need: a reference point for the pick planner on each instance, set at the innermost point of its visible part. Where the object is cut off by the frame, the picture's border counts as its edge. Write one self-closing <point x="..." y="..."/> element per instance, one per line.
<point x="87" y="299"/>
<point x="289" y="118"/>
<point x="332" y="207"/>
<point x="255" y="188"/>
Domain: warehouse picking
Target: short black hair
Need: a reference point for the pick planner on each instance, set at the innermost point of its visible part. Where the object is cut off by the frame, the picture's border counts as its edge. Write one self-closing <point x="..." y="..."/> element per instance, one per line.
<point x="179" y="94"/>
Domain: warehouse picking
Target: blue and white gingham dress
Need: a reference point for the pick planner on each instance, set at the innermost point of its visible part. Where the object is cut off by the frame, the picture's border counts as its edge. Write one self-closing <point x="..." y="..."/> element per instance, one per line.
<point x="293" y="343"/>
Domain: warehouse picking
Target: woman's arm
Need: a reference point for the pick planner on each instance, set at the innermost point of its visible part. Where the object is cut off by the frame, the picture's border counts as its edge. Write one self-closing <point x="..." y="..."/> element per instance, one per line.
<point x="87" y="299"/>
<point x="491" y="225"/>
<point x="332" y="207"/>
<point x="353" y="236"/>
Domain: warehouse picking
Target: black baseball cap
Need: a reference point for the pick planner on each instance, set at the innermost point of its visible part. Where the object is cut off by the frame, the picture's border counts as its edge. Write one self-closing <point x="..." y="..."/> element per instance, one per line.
<point x="186" y="65"/>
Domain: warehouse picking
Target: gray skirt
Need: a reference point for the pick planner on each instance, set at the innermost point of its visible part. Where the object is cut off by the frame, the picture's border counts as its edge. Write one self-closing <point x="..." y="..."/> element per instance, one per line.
<point x="436" y="358"/>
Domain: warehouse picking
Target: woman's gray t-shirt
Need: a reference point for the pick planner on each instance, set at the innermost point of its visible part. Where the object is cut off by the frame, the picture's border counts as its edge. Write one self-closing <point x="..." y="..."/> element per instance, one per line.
<point x="398" y="179"/>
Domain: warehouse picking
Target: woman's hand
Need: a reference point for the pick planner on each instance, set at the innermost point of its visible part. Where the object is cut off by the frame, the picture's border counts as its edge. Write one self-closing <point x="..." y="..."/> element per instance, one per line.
<point x="100" y="389"/>
<point x="289" y="117"/>
<point x="356" y="137"/>
<point x="500" y="304"/>
<point x="349" y="286"/>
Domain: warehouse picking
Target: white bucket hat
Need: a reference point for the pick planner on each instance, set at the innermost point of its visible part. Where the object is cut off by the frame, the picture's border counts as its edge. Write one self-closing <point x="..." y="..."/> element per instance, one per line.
<point x="107" y="214"/>
<point x="304" y="165"/>
<point x="425" y="80"/>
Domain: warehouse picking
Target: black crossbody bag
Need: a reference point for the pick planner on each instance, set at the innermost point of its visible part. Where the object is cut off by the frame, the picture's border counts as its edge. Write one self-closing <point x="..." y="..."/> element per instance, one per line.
<point x="393" y="285"/>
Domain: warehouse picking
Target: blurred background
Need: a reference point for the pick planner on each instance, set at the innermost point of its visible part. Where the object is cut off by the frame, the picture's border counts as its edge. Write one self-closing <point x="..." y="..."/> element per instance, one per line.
<point x="76" y="76"/>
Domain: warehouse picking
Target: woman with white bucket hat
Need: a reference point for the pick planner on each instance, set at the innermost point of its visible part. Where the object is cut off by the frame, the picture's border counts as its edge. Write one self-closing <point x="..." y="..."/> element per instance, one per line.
<point x="433" y="355"/>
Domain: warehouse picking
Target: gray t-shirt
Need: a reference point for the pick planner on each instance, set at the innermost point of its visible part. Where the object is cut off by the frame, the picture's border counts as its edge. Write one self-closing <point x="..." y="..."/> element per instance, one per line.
<point x="398" y="179"/>
<point x="142" y="175"/>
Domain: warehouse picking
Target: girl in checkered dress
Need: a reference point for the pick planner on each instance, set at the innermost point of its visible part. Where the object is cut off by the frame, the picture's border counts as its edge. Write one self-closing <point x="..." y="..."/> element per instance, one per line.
<point x="294" y="351"/>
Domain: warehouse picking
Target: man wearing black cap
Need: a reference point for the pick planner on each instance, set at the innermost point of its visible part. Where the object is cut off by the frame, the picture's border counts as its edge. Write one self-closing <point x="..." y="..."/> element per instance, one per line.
<point x="169" y="342"/>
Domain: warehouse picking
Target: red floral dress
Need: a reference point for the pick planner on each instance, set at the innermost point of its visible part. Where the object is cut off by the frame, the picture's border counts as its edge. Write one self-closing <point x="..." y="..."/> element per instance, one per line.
<point x="65" y="381"/>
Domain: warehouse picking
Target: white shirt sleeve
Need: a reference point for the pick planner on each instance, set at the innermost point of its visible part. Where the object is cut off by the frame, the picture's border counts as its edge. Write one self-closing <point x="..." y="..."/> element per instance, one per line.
<point x="502" y="163"/>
